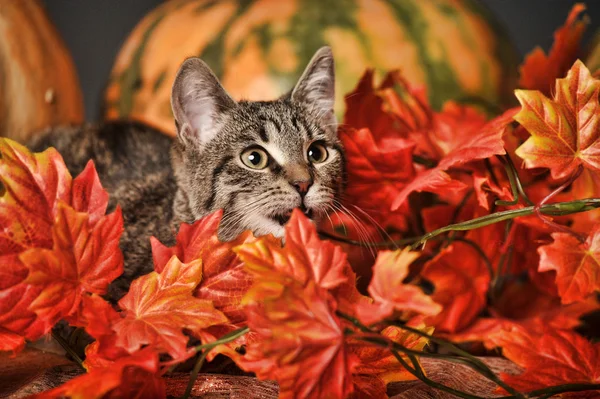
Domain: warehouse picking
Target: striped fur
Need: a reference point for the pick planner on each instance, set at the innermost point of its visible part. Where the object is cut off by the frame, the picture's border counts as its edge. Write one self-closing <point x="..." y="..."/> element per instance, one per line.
<point x="157" y="188"/>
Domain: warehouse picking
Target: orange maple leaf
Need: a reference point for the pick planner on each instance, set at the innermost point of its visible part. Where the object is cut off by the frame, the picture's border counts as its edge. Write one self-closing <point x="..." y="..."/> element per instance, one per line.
<point x="461" y="279"/>
<point x="304" y="257"/>
<point x="539" y="70"/>
<point x="299" y="340"/>
<point x="224" y="280"/>
<point x="158" y="306"/>
<point x="378" y="367"/>
<point x="565" y="129"/>
<point x="135" y="376"/>
<point x="47" y="264"/>
<point x="553" y="357"/>
<point x="300" y="343"/>
<point x="577" y="264"/>
<point x="390" y="293"/>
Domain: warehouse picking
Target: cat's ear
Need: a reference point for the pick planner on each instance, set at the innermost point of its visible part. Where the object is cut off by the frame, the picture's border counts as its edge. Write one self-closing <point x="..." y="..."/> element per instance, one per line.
<point x="198" y="100"/>
<point x="316" y="87"/>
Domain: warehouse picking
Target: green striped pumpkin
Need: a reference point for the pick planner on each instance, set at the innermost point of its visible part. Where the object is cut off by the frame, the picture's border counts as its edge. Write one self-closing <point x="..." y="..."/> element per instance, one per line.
<point x="258" y="48"/>
<point x="592" y="60"/>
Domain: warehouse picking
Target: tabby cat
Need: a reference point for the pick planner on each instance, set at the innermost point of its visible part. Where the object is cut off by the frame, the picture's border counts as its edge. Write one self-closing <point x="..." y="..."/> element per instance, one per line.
<point x="255" y="160"/>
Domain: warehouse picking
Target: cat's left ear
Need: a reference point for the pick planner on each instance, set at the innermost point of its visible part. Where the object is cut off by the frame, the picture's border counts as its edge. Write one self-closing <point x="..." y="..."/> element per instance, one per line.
<point x="316" y="87"/>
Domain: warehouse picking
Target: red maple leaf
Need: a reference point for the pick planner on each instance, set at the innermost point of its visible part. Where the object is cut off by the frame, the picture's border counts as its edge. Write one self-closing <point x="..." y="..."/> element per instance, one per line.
<point x="47" y="264"/>
<point x="553" y="357"/>
<point x="389" y="291"/>
<point x="392" y="109"/>
<point x="224" y="280"/>
<point x="82" y="260"/>
<point x="377" y="173"/>
<point x="378" y="367"/>
<point x="523" y="304"/>
<point x="300" y="342"/>
<point x="134" y="376"/>
<point x="158" y="306"/>
<point x="461" y="137"/>
<point x="461" y="279"/>
<point x="304" y="257"/>
<point x="577" y="264"/>
<point x="291" y="310"/>
<point x="564" y="129"/>
<point x="539" y="70"/>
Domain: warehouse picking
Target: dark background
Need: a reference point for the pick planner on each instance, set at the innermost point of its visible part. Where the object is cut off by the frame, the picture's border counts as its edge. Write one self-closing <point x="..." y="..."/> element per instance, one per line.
<point x="95" y="29"/>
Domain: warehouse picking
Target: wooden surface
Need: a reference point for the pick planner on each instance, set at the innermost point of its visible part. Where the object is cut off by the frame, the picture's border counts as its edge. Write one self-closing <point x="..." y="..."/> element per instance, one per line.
<point x="34" y="371"/>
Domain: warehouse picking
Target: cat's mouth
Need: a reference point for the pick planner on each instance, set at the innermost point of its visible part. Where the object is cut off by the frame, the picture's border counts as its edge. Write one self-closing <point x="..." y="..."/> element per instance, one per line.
<point x="283" y="218"/>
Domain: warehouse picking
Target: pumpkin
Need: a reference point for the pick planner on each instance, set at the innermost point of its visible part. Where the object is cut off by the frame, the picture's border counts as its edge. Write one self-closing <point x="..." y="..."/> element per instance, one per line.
<point x="592" y="60"/>
<point x="38" y="83"/>
<point x="258" y="48"/>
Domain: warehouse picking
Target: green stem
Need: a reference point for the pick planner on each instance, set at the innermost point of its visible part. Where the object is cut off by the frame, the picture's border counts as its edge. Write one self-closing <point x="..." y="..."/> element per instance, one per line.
<point x="475" y="363"/>
<point x="512" y="171"/>
<point x="225" y="339"/>
<point x="417" y="371"/>
<point x="206" y="348"/>
<point x="512" y="179"/>
<point x="467" y="359"/>
<point x="194" y="374"/>
<point x="68" y="349"/>
<point x="557" y="209"/>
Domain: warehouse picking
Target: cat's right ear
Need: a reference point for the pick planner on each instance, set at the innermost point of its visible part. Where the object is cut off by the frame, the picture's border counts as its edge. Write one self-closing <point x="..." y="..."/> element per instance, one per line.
<point x="198" y="100"/>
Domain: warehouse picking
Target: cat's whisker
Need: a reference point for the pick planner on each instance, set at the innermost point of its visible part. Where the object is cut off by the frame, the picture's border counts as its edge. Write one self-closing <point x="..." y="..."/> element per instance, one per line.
<point x="375" y="223"/>
<point x="363" y="234"/>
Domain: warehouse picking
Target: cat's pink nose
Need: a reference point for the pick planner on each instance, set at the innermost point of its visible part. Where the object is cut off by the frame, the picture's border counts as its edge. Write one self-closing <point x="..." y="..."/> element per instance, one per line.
<point x="302" y="186"/>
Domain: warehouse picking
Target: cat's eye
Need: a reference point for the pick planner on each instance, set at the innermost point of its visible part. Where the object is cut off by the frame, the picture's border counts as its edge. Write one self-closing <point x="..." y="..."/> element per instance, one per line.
<point x="317" y="153"/>
<point x="255" y="158"/>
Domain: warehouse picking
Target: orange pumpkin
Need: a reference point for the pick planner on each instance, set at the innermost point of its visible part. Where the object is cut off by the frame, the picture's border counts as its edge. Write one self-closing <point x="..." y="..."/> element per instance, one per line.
<point x="592" y="60"/>
<point x="38" y="83"/>
<point x="258" y="49"/>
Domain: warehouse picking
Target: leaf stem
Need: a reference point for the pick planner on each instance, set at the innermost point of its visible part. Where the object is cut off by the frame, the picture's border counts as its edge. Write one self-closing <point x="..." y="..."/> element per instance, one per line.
<point x="558" y="190"/>
<point x="559" y="208"/>
<point x="464" y="357"/>
<point x="68" y="349"/>
<point x="232" y="336"/>
<point x="205" y="349"/>
<point x="556" y="209"/>
<point x="194" y="374"/>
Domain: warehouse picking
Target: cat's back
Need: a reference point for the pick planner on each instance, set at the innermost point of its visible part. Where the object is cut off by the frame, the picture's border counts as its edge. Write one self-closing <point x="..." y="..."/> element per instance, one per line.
<point x="120" y="150"/>
<point x="134" y="166"/>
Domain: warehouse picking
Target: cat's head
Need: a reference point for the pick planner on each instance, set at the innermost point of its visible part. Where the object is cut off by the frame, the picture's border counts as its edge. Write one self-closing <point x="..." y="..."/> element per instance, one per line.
<point x="256" y="160"/>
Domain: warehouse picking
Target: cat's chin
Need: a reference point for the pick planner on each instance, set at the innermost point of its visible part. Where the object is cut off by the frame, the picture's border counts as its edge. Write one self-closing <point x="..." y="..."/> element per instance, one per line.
<point x="282" y="219"/>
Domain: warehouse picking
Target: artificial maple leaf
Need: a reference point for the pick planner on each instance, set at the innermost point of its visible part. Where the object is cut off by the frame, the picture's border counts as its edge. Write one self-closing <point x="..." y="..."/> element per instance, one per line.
<point x="553" y="357"/>
<point x="30" y="187"/>
<point x="390" y="293"/>
<point x="378" y="366"/>
<point x="577" y="264"/>
<point x="158" y="306"/>
<point x="132" y="376"/>
<point x="522" y="303"/>
<point x="82" y="260"/>
<point x="42" y="211"/>
<point x="461" y="278"/>
<point x="304" y="257"/>
<point x="564" y="129"/>
<point x="460" y="137"/>
<point x="224" y="280"/>
<point x="539" y="70"/>
<point x="300" y="342"/>
<point x="377" y="171"/>
<point x="393" y="109"/>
